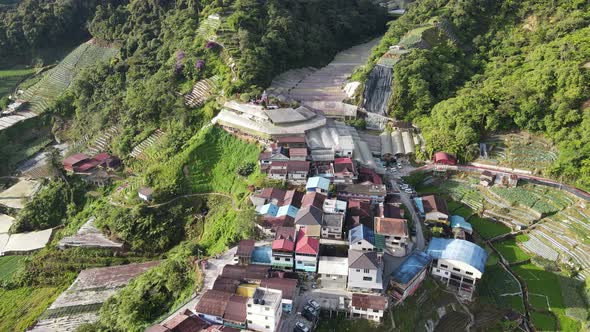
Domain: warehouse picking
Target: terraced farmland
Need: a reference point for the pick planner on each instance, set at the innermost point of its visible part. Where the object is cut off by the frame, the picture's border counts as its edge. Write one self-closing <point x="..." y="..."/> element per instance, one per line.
<point x="520" y="150"/>
<point x="57" y="80"/>
<point x="201" y="91"/>
<point x="9" y="78"/>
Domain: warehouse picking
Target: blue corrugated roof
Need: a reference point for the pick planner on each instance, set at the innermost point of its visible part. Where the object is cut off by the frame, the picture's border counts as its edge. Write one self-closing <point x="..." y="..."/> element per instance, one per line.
<point x="458" y="221"/>
<point x="269" y="209"/>
<point x="318" y="182"/>
<point x="361" y="232"/>
<point x="418" y="201"/>
<point x="262" y="255"/>
<point x="459" y="250"/>
<point x="411" y="266"/>
<point x="289" y="210"/>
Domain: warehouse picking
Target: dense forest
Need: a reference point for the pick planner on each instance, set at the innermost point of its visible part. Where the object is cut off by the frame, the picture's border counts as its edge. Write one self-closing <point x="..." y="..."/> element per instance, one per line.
<point x="514" y="64"/>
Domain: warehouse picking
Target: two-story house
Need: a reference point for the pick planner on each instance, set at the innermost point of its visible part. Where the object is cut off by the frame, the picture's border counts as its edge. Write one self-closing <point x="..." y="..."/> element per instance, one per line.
<point x="458" y="263"/>
<point x="365" y="271"/>
<point x="435" y="209"/>
<point x="367" y="306"/>
<point x="283" y="249"/>
<point x="333" y="272"/>
<point x="344" y="170"/>
<point x="332" y="226"/>
<point x="307" y="249"/>
<point x="309" y="218"/>
<point x="334" y="206"/>
<point x="395" y="233"/>
<point x="362" y="238"/>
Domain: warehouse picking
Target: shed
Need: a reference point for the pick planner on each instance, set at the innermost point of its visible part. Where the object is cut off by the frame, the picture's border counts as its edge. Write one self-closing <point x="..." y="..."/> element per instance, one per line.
<point x="444" y="158"/>
<point x="459" y="222"/>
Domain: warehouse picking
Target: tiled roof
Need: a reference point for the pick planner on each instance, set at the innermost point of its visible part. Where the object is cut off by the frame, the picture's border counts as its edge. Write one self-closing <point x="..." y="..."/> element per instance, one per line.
<point x="298" y="152"/>
<point x="235" y="311"/>
<point x="245" y="272"/>
<point x="291" y="139"/>
<point x="313" y="198"/>
<point x="307" y="245"/>
<point x="285" y="233"/>
<point x="285" y="285"/>
<point x="225" y="284"/>
<point x="363" y="259"/>
<point x="391" y="226"/>
<point x="366" y="301"/>
<point x="283" y="245"/>
<point x="309" y="216"/>
<point x="245" y="248"/>
<point x="185" y="322"/>
<point x="213" y="303"/>
<point x="434" y="203"/>
<point x="298" y="166"/>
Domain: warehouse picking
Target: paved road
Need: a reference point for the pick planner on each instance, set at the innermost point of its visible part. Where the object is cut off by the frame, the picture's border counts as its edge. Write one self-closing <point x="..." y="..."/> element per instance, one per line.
<point x="408" y="202"/>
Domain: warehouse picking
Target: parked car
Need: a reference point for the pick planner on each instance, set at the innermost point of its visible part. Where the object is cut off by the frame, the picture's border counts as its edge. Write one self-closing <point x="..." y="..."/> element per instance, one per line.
<point x="309" y="314"/>
<point x="314" y="304"/>
<point x="300" y="327"/>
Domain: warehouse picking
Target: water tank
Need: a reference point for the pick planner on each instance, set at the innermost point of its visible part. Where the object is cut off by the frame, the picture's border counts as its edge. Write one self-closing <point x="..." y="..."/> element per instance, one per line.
<point x="262" y="302"/>
<point x="255" y="301"/>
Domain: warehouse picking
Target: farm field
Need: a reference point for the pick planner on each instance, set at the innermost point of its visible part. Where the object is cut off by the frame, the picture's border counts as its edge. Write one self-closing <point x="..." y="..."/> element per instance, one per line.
<point x="511" y="251"/>
<point x="499" y="288"/>
<point x="10" y="77"/>
<point x="544" y="294"/>
<point x="58" y="79"/>
<point x="19" y="308"/>
<point x="487" y="228"/>
<point x="520" y="150"/>
<point x="9" y="265"/>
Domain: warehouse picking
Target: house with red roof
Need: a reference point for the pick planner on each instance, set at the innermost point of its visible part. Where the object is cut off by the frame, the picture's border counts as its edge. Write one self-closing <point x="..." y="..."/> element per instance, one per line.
<point x="444" y="158"/>
<point x="283" y="249"/>
<point x="73" y="162"/>
<point x="344" y="170"/>
<point x="306" y="252"/>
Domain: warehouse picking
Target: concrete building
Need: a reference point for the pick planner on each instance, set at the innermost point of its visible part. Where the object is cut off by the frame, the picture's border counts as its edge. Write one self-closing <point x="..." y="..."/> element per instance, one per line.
<point x="365" y="271"/>
<point x="362" y="238"/>
<point x="344" y="171"/>
<point x="306" y="252"/>
<point x="406" y="279"/>
<point x="334" y="206"/>
<point x="264" y="310"/>
<point x="362" y="191"/>
<point x="366" y="306"/>
<point x="332" y="226"/>
<point x="333" y="272"/>
<point x="458" y="263"/>
<point x="288" y="288"/>
<point x="395" y="233"/>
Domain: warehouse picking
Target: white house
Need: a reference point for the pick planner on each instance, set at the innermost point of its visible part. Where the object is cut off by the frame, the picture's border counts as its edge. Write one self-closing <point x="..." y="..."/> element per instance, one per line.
<point x="458" y="263"/>
<point x="264" y="310"/>
<point x="333" y="272"/>
<point x="365" y="271"/>
<point x="367" y="306"/>
<point x="361" y="238"/>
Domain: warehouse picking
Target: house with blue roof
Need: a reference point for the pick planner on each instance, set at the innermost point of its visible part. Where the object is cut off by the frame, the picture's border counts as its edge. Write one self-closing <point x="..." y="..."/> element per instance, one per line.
<point x="406" y="279"/>
<point x="458" y="263"/>
<point x="459" y="222"/>
<point x="287" y="210"/>
<point x="268" y="210"/>
<point x="318" y="184"/>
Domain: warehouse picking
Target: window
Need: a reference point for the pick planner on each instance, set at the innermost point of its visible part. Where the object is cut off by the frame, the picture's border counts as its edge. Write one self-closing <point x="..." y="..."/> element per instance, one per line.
<point x="367" y="278"/>
<point x="359" y="243"/>
<point x="366" y="270"/>
<point x="249" y="322"/>
<point x="375" y="310"/>
<point x="444" y="266"/>
<point x="358" y="270"/>
<point x="266" y="318"/>
<point x="299" y="262"/>
<point x="327" y="275"/>
<point x="267" y="308"/>
<point x="287" y="259"/>
<point x="268" y="327"/>
<point x="469" y="273"/>
<point x="277" y="258"/>
<point x="249" y="305"/>
<point x="456" y="269"/>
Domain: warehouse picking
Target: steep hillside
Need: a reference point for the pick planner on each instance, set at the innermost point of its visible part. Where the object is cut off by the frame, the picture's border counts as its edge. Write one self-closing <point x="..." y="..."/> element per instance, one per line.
<point x="512" y="65"/>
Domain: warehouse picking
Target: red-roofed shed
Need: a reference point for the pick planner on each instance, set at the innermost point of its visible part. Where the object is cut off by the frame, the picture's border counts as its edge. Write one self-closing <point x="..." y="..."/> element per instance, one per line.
<point x="444" y="158"/>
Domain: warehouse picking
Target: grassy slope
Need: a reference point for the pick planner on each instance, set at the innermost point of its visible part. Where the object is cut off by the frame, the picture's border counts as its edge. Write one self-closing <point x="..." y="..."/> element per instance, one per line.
<point x="9" y="265"/>
<point x="19" y="308"/>
<point x="9" y="78"/>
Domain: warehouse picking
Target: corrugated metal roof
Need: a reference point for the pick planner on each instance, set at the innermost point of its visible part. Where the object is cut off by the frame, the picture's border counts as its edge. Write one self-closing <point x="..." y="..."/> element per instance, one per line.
<point x="361" y="232"/>
<point x="458" y="250"/>
<point x="458" y="221"/>
<point x="318" y="182"/>
<point x="410" y="267"/>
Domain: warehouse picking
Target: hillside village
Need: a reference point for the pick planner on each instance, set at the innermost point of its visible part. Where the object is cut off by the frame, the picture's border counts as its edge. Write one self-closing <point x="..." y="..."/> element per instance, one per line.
<point x="278" y="197"/>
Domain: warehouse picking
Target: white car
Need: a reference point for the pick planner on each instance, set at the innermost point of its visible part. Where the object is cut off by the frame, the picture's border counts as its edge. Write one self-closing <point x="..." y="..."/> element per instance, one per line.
<point x="300" y="327"/>
<point x="314" y="304"/>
